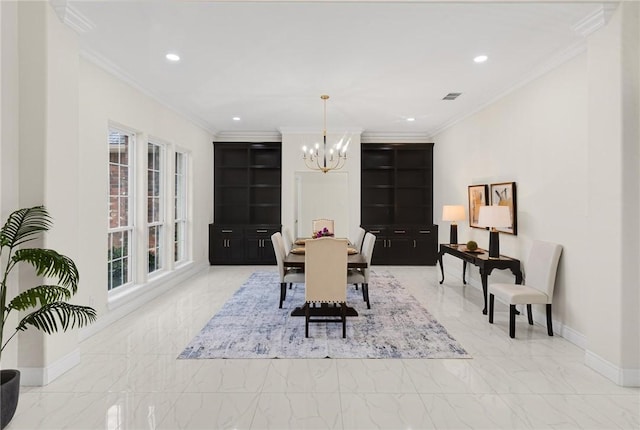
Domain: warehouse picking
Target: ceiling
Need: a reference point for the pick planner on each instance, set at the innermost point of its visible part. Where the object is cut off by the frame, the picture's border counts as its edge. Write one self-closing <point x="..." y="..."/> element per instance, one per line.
<point x="381" y="62"/>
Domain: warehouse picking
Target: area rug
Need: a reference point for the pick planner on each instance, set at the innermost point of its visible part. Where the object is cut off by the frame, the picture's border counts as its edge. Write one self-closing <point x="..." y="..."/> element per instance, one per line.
<point x="250" y="325"/>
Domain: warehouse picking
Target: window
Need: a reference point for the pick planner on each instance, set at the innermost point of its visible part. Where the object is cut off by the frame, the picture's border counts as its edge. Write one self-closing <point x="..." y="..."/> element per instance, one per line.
<point x="155" y="218"/>
<point x="148" y="231"/>
<point x="120" y="208"/>
<point x="180" y="208"/>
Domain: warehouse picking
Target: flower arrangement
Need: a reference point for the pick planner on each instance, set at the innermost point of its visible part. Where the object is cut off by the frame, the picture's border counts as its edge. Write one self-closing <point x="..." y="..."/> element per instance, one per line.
<point x="322" y="233"/>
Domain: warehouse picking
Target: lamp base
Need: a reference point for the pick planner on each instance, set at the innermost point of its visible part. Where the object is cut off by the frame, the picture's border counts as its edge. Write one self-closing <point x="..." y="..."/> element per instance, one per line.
<point x="453" y="234"/>
<point x="494" y="244"/>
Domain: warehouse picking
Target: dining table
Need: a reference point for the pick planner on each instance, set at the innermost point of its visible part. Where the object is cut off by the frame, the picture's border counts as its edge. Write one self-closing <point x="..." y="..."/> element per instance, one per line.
<point x="295" y="259"/>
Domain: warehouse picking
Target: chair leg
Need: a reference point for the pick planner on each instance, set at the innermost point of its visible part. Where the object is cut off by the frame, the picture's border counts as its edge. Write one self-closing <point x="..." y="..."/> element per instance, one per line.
<point x="356" y="286"/>
<point x="306" y="320"/>
<point x="290" y="285"/>
<point x="549" y="324"/>
<point x="343" y="312"/>
<point x="512" y="321"/>
<point x="529" y="314"/>
<point x="365" y="294"/>
<point x="283" y="292"/>
<point x="491" y="300"/>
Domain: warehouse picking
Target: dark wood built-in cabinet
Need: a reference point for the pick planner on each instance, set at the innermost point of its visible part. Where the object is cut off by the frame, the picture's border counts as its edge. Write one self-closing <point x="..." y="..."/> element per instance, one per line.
<point x="397" y="202"/>
<point x="247" y="201"/>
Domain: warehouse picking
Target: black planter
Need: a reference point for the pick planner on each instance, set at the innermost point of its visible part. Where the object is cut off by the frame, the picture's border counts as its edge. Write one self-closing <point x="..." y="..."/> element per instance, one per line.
<point x="9" y="392"/>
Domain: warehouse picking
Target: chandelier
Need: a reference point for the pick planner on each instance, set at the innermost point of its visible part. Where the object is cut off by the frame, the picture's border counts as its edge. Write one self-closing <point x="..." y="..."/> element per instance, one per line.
<point x="324" y="160"/>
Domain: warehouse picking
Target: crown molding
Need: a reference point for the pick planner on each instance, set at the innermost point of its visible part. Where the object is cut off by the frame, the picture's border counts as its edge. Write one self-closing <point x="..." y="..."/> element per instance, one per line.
<point x="595" y="20"/>
<point x="120" y="74"/>
<point x="552" y="63"/>
<point x="248" y="136"/>
<point x="316" y="130"/>
<point x="69" y="16"/>
<point x="394" y="137"/>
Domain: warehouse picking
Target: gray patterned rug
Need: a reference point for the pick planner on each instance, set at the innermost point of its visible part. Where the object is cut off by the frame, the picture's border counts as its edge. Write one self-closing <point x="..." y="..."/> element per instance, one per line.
<point x="250" y="325"/>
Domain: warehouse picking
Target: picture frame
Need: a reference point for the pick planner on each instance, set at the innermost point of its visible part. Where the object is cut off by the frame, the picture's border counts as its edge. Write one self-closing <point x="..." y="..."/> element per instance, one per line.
<point x="504" y="194"/>
<point x="478" y="196"/>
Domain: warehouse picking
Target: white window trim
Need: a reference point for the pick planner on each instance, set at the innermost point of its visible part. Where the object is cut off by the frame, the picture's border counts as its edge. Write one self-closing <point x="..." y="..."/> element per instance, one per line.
<point x="132" y="206"/>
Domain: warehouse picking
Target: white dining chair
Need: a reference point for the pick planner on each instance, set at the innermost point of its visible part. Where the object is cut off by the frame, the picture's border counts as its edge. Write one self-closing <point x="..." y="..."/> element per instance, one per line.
<point x="361" y="276"/>
<point x="321" y="224"/>
<point x="359" y="239"/>
<point x="325" y="280"/>
<point x="287" y="238"/>
<point x="286" y="276"/>
<point x="540" y="280"/>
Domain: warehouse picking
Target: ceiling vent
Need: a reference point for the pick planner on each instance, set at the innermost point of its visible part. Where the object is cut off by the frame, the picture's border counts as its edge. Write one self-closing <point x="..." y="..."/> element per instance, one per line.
<point x="451" y="96"/>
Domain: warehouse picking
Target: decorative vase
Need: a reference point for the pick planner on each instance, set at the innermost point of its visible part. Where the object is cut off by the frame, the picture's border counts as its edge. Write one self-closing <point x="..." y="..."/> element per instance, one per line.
<point x="9" y="392"/>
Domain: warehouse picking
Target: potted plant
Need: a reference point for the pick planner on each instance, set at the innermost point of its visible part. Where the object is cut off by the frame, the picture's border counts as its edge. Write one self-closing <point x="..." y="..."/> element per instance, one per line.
<point x="45" y="307"/>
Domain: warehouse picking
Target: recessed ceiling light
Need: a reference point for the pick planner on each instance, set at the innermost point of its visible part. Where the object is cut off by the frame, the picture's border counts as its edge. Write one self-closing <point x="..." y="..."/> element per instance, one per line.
<point x="236" y="118"/>
<point x="411" y="119"/>
<point x="480" y="59"/>
<point x="172" y="57"/>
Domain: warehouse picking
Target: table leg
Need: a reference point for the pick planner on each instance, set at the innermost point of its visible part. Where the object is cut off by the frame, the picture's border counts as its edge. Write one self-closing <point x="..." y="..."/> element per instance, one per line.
<point x="464" y="271"/>
<point x="485" y="278"/>
<point x="441" y="267"/>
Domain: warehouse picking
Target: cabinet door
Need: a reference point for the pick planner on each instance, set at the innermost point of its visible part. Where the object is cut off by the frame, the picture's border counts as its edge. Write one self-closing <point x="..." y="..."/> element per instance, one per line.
<point x="225" y="245"/>
<point x="425" y="244"/>
<point x="258" y="245"/>
<point x="399" y="249"/>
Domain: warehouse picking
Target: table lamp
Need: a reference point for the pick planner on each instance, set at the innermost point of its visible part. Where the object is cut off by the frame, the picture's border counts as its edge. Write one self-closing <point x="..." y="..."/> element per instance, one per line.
<point x="453" y="213"/>
<point x="494" y="217"/>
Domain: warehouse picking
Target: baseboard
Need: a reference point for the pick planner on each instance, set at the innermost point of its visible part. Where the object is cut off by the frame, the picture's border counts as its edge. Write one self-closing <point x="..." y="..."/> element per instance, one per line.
<point x="622" y="377"/>
<point x="39" y="376"/>
<point x="143" y="295"/>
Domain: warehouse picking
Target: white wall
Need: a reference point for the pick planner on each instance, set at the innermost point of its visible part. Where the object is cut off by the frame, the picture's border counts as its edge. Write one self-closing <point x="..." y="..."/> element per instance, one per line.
<point x="105" y="99"/>
<point x="536" y="137"/>
<point x="56" y="154"/>
<point x="613" y="343"/>
<point x="9" y="142"/>
<point x="569" y="140"/>
<point x="292" y="162"/>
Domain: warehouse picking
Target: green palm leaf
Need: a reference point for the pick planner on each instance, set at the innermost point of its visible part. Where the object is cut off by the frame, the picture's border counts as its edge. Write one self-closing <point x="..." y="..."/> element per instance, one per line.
<point x="58" y="316"/>
<point x="49" y="263"/>
<point x="41" y="295"/>
<point x="23" y="224"/>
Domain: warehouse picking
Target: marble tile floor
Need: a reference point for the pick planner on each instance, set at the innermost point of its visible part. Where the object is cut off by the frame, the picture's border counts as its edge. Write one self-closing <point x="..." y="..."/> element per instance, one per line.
<point x="129" y="377"/>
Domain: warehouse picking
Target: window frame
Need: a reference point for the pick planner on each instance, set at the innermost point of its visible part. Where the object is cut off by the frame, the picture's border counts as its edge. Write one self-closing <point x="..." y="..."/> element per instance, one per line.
<point x="158" y="224"/>
<point x="130" y="227"/>
<point x="180" y="208"/>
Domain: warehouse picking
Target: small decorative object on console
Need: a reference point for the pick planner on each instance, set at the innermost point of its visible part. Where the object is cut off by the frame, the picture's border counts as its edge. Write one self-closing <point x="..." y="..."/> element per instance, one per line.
<point x="322" y="233"/>
<point x="472" y="245"/>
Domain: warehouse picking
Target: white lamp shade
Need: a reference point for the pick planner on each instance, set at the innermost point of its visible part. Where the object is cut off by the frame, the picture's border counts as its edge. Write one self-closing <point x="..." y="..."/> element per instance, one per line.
<point x="494" y="216"/>
<point x="453" y="213"/>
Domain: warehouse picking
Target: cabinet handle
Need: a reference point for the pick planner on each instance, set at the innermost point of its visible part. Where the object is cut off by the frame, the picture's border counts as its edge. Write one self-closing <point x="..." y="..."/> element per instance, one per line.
<point x="399" y="231"/>
<point x="227" y="231"/>
<point x="414" y="243"/>
<point x="374" y="231"/>
<point x="389" y="243"/>
<point x="261" y="231"/>
<point x="425" y="232"/>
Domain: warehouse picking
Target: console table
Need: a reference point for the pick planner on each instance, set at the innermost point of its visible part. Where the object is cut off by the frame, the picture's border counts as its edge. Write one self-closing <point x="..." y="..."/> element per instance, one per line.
<point x="480" y="258"/>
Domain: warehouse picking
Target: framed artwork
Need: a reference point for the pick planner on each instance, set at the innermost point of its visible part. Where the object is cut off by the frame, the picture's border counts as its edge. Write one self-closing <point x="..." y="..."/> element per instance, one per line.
<point x="504" y="194"/>
<point x="477" y="197"/>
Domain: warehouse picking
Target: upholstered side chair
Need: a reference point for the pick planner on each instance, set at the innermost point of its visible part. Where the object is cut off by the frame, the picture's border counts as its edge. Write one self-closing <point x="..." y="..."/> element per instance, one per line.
<point x="286" y="276"/>
<point x="540" y="280"/>
<point x="325" y="279"/>
<point x="321" y="224"/>
<point x="359" y="239"/>
<point x="361" y="276"/>
<point x="287" y="238"/>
